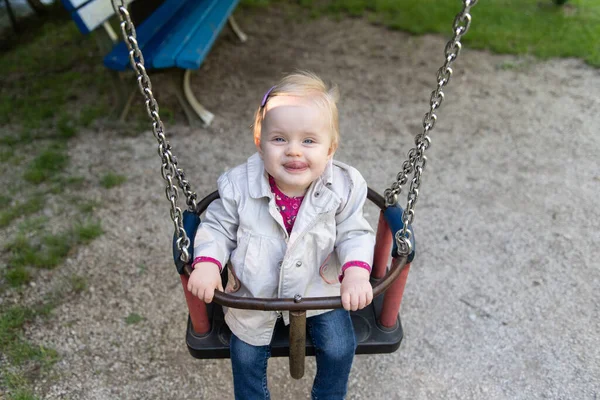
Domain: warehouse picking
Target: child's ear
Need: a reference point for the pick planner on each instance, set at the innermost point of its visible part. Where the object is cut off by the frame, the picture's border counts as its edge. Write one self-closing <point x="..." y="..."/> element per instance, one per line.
<point x="332" y="150"/>
<point x="257" y="144"/>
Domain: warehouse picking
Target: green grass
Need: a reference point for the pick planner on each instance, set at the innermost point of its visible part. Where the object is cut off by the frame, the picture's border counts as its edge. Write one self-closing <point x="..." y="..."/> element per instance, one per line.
<point x="36" y="248"/>
<point x="17" y="385"/>
<point x="110" y="180"/>
<point x="86" y="207"/>
<point x="4" y="201"/>
<point x="87" y="231"/>
<point x="133" y="318"/>
<point x="19" y="352"/>
<point x="53" y="70"/>
<point x="78" y="283"/>
<point x="48" y="164"/>
<point x="33" y="205"/>
<point x="16" y="349"/>
<point x="537" y="27"/>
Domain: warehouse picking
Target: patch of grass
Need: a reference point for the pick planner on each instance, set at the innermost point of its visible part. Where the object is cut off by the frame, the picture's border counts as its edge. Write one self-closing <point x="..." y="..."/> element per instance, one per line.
<point x="34" y="247"/>
<point x="87" y="207"/>
<point x="31" y="206"/>
<point x="17" y="386"/>
<point x="16" y="349"/>
<point x="52" y="70"/>
<point x="33" y="224"/>
<point x="142" y="268"/>
<point x="133" y="318"/>
<point x="90" y="114"/>
<point x="60" y="183"/>
<point x="111" y="180"/>
<point x="537" y="27"/>
<point x="4" y="201"/>
<point x="19" y="351"/>
<point x="7" y="156"/>
<point x="17" y="276"/>
<point x="65" y="127"/>
<point x="87" y="231"/>
<point x="45" y="252"/>
<point x="49" y="163"/>
<point x="78" y="283"/>
<point x="23" y="394"/>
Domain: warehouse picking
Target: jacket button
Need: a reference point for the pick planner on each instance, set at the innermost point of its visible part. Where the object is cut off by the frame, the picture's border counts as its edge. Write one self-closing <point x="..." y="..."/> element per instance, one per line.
<point x="317" y="194"/>
<point x="298" y="263"/>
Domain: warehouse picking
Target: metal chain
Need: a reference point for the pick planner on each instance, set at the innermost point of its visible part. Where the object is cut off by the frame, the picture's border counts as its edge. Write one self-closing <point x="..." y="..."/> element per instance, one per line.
<point x="417" y="160"/>
<point x="169" y="168"/>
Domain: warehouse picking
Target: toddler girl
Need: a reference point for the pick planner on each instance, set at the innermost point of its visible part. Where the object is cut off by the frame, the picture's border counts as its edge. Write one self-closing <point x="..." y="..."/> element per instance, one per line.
<point x="290" y="222"/>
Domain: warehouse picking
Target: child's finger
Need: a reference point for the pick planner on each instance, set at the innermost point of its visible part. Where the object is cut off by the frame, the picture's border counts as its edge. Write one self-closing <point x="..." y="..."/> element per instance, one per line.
<point x="362" y="300"/>
<point x="208" y="294"/>
<point x="346" y="301"/>
<point x="354" y="301"/>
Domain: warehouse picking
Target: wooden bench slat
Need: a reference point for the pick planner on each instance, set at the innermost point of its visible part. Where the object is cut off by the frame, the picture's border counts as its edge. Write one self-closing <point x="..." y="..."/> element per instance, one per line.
<point x="186" y="25"/>
<point x="197" y="47"/>
<point x="150" y="30"/>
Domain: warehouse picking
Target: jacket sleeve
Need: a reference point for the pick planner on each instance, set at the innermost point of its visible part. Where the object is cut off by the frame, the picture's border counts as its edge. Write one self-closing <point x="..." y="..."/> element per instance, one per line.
<point x="355" y="239"/>
<point x="216" y="236"/>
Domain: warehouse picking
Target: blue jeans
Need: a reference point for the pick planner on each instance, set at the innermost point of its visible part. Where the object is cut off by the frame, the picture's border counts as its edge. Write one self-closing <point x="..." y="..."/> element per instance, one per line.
<point x="332" y="335"/>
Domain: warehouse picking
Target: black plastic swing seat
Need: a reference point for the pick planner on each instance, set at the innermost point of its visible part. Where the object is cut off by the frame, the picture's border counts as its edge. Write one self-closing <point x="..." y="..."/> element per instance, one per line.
<point x="370" y="336"/>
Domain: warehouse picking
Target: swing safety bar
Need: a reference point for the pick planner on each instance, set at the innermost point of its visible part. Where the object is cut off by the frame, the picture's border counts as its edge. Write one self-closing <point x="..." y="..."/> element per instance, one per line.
<point x="303" y="304"/>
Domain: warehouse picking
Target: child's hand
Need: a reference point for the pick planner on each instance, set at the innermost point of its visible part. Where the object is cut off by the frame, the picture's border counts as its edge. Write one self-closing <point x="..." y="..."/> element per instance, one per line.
<point x="205" y="278"/>
<point x="356" y="290"/>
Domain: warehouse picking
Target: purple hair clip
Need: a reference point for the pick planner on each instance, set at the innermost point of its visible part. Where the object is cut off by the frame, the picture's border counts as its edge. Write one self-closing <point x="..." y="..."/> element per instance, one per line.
<point x="266" y="97"/>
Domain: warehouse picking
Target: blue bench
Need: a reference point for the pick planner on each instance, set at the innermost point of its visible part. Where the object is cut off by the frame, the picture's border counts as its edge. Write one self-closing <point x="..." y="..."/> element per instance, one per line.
<point x="177" y="36"/>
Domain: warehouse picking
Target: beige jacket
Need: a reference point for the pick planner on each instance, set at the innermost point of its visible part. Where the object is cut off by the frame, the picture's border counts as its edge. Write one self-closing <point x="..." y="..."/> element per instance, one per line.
<point x="245" y="227"/>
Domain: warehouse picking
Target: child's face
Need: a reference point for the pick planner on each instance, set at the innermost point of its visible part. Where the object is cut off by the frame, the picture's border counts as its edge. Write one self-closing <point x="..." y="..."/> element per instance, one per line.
<point x="296" y="142"/>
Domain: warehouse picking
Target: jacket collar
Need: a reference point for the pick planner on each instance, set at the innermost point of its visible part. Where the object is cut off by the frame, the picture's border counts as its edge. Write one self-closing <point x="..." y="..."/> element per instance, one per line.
<point x="258" y="182"/>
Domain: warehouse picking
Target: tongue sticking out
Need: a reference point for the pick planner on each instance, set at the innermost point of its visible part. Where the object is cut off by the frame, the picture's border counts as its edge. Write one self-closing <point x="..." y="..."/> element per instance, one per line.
<point x="295" y="165"/>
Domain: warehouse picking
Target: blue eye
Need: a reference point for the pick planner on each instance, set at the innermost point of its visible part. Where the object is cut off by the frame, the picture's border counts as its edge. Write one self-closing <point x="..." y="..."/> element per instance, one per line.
<point x="308" y="141"/>
<point x="278" y="139"/>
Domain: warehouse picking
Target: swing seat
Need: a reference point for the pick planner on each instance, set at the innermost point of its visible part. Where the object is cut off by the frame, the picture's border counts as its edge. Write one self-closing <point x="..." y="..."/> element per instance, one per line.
<point x="377" y="328"/>
<point x="371" y="336"/>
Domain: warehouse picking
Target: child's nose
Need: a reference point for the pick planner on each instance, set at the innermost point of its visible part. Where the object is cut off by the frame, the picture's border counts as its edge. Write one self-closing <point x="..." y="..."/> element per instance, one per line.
<point x="294" y="149"/>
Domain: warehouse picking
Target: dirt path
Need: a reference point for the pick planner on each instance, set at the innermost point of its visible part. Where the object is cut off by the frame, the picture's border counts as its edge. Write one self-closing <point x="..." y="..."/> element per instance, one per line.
<point x="502" y="300"/>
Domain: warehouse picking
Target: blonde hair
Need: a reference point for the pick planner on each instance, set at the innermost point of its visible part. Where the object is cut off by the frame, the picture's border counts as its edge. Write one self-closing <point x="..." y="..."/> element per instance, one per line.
<point x="303" y="84"/>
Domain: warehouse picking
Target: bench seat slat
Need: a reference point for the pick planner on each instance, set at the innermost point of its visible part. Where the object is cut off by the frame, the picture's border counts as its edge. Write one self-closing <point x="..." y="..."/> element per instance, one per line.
<point x="197" y="47"/>
<point x="166" y="52"/>
<point x="151" y="30"/>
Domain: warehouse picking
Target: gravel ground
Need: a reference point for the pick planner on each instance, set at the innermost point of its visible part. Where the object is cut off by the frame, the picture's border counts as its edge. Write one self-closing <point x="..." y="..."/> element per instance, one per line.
<point x="500" y="301"/>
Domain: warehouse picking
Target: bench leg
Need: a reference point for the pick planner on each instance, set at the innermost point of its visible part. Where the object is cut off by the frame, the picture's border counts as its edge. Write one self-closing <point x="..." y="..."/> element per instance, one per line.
<point x="127" y="105"/>
<point x="194" y="111"/>
<point x="236" y="29"/>
<point x="122" y="102"/>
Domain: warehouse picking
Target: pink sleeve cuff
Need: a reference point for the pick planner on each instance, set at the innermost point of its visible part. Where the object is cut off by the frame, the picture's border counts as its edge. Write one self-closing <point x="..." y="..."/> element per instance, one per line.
<point x="360" y="264"/>
<point x="207" y="259"/>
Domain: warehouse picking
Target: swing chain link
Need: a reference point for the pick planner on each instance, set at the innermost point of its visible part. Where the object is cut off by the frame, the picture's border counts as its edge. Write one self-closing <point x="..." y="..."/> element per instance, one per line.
<point x="416" y="161"/>
<point x="169" y="168"/>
